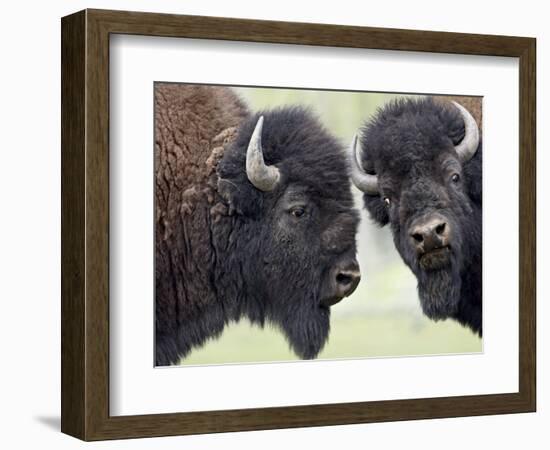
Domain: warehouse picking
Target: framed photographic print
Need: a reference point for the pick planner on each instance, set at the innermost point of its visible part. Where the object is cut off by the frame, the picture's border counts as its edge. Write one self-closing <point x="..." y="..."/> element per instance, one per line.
<point x="270" y="224"/>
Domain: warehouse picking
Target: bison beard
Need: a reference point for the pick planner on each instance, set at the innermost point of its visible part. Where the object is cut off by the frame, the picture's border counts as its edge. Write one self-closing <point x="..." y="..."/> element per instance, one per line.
<point x="420" y="167"/>
<point x="305" y="325"/>
<point x="439" y="291"/>
<point x="227" y="246"/>
<point x="439" y="275"/>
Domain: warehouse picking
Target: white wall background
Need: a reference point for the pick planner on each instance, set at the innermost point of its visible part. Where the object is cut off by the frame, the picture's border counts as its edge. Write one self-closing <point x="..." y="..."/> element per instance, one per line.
<point x="30" y="222"/>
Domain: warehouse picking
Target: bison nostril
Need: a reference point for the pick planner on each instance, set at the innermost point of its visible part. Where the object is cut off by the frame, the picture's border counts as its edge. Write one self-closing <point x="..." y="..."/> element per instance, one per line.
<point x="418" y="237"/>
<point x="440" y="228"/>
<point x="344" y="279"/>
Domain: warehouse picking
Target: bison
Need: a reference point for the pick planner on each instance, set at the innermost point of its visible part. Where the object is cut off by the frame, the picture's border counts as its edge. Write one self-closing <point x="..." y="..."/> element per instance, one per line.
<point x="254" y="219"/>
<point x="419" y="163"/>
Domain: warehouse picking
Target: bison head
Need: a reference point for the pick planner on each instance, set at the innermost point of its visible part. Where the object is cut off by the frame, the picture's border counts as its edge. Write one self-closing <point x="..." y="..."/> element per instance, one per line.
<point x="420" y="169"/>
<point x="286" y="181"/>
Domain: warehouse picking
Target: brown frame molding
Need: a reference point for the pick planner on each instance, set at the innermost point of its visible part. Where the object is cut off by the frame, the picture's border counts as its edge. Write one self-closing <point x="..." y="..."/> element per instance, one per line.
<point x="85" y="224"/>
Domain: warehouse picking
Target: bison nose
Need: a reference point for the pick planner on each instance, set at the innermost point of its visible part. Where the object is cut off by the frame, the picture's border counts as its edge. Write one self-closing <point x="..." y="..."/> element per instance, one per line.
<point x="347" y="278"/>
<point x="430" y="234"/>
<point x="342" y="280"/>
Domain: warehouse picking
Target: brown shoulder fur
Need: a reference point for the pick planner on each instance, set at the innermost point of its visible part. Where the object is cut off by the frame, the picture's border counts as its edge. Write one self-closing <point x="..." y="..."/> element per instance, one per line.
<point x="192" y="126"/>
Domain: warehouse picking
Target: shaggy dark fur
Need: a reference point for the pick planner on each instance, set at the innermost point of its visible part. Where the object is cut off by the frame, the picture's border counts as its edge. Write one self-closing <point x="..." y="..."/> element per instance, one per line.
<point x="409" y="144"/>
<point x="225" y="250"/>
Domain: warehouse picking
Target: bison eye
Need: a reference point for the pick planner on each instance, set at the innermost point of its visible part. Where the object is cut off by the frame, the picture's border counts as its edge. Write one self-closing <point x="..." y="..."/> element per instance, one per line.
<point x="387" y="201"/>
<point x="455" y="178"/>
<point x="297" y="212"/>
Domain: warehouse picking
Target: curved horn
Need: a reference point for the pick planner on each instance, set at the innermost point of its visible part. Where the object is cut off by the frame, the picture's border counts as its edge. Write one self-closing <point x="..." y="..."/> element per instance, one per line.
<point x="362" y="180"/>
<point x="262" y="176"/>
<point x="468" y="146"/>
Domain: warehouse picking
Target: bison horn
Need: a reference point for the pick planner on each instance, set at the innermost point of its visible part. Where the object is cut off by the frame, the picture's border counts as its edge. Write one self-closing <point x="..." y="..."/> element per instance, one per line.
<point x="362" y="180"/>
<point x="262" y="176"/>
<point x="468" y="146"/>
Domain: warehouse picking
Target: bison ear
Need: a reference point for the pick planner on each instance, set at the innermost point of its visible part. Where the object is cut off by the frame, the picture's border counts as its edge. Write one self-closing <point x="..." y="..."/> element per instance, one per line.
<point x="377" y="209"/>
<point x="233" y="184"/>
<point x="240" y="199"/>
<point x="474" y="177"/>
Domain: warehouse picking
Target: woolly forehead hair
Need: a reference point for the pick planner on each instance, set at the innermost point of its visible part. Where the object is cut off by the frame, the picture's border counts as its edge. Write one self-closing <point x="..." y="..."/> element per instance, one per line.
<point x="294" y="139"/>
<point x="409" y="130"/>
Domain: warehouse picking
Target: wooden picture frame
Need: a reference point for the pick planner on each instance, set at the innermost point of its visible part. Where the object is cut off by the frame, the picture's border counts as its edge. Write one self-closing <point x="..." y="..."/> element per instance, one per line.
<point x="85" y="224"/>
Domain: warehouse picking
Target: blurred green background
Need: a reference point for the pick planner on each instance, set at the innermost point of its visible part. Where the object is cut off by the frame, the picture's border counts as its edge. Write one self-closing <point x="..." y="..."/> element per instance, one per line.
<point x="383" y="316"/>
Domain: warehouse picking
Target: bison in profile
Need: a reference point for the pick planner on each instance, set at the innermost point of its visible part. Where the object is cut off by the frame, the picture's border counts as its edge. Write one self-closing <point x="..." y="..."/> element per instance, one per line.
<point x="418" y="163"/>
<point x="254" y="219"/>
